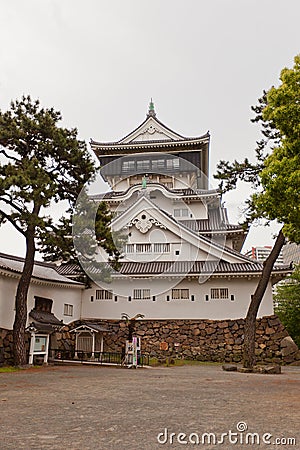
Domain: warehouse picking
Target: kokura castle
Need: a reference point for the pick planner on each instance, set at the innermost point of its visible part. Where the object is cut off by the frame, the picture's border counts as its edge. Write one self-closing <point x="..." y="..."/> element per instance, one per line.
<point x="181" y="275"/>
<point x="181" y="258"/>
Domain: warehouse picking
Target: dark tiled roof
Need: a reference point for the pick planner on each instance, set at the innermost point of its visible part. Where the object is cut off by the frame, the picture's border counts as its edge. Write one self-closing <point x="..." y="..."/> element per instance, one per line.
<point x="95" y="326"/>
<point x="44" y="317"/>
<point x="120" y="143"/>
<point x="140" y="147"/>
<point x="188" y="267"/>
<point x="182" y="192"/>
<point x="4" y="257"/>
<point x="142" y="143"/>
<point x="207" y="225"/>
<point x="194" y="268"/>
<point x="68" y="269"/>
<point x="41" y="270"/>
<point x="44" y="327"/>
<point x="44" y="322"/>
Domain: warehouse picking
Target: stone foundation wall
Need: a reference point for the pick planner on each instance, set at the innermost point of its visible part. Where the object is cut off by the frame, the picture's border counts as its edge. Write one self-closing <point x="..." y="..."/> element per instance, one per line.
<point x="64" y="341"/>
<point x="204" y="340"/>
<point x="201" y="339"/>
<point x="6" y="346"/>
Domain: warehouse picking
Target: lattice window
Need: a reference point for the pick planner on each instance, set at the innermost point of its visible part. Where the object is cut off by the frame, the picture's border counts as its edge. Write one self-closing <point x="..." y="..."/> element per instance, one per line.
<point x="173" y="163"/>
<point x="180" y="294"/>
<point x="143" y="165"/>
<point x="181" y="212"/>
<point x="129" y="248"/>
<point x="128" y="166"/>
<point x="157" y="247"/>
<point x="141" y="294"/>
<point x="219" y="293"/>
<point x="161" y="248"/>
<point x="224" y="293"/>
<point x="68" y="310"/>
<point x="103" y="294"/>
<point x="184" y="212"/>
<point x="143" y="248"/>
<point x="176" y="163"/>
<point x="158" y="164"/>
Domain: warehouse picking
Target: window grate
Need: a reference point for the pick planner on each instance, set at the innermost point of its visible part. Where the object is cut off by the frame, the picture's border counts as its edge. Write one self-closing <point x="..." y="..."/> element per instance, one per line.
<point x="180" y="294"/>
<point x="102" y="294"/>
<point x="141" y="294"/>
<point x="219" y="293"/>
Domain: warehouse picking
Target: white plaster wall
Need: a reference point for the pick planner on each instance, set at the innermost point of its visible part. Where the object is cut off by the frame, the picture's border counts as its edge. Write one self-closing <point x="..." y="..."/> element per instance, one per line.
<point x="197" y="210"/>
<point x="8" y="287"/>
<point x="187" y="252"/>
<point x="176" y="309"/>
<point x="59" y="295"/>
<point x="180" y="181"/>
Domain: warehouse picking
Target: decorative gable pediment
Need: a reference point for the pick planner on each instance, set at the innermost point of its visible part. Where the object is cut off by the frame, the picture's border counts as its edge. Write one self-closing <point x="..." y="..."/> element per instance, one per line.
<point x="151" y="130"/>
<point x="143" y="214"/>
<point x="144" y="222"/>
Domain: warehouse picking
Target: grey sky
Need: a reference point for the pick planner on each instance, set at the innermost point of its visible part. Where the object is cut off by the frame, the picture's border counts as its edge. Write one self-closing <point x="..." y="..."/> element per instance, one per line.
<point x="99" y="62"/>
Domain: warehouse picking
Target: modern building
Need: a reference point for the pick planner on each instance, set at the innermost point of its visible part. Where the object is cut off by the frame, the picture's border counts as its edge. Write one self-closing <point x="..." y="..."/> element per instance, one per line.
<point x="261" y="253"/>
<point x="291" y="253"/>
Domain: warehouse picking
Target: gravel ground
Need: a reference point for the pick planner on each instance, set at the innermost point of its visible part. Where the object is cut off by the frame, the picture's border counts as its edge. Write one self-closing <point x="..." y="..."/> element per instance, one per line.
<point x="88" y="407"/>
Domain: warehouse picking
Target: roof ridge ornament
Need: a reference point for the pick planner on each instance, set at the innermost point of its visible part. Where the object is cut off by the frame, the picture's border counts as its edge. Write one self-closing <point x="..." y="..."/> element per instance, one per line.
<point x="151" y="110"/>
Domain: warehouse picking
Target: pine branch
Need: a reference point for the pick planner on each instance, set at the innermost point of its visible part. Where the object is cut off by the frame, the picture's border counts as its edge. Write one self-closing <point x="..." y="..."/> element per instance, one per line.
<point x="13" y="222"/>
<point x="3" y="152"/>
<point x="12" y="204"/>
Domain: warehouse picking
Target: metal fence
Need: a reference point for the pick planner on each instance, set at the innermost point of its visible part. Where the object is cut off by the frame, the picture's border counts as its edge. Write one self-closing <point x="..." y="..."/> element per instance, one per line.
<point x="99" y="357"/>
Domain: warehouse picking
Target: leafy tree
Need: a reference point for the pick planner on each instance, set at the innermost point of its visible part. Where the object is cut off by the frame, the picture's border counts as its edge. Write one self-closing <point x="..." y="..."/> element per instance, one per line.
<point x="287" y="304"/>
<point x="40" y="163"/>
<point x="276" y="177"/>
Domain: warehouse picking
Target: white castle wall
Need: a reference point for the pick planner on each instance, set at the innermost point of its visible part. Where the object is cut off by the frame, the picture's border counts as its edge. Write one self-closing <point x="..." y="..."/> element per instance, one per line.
<point x="58" y="293"/>
<point x="161" y="308"/>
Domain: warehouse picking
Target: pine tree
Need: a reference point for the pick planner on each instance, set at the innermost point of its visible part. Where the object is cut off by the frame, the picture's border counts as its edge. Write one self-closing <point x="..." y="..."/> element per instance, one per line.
<point x="276" y="178"/>
<point x="41" y="163"/>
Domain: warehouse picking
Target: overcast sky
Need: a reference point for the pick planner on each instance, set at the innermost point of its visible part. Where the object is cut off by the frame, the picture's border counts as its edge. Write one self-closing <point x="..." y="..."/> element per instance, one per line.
<point x="99" y="62"/>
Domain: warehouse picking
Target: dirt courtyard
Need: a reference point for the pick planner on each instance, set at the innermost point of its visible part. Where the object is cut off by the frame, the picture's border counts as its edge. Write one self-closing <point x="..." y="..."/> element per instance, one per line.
<point x="88" y="407"/>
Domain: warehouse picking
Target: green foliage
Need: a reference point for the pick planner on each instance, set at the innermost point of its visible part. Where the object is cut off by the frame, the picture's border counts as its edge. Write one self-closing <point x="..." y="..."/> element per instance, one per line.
<point x="280" y="177"/>
<point x="276" y="173"/>
<point x="275" y="176"/>
<point x="41" y="163"/>
<point x="88" y="227"/>
<point x="44" y="163"/>
<point x="287" y="304"/>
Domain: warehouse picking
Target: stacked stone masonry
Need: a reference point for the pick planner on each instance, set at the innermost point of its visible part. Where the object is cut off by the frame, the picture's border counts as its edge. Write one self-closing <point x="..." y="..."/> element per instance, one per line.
<point x="6" y="346"/>
<point x="204" y="340"/>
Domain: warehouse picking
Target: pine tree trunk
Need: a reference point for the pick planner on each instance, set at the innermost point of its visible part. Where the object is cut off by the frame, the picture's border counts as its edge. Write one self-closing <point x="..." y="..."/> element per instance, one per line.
<point x="256" y="299"/>
<point x="131" y="328"/>
<point x="20" y="357"/>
